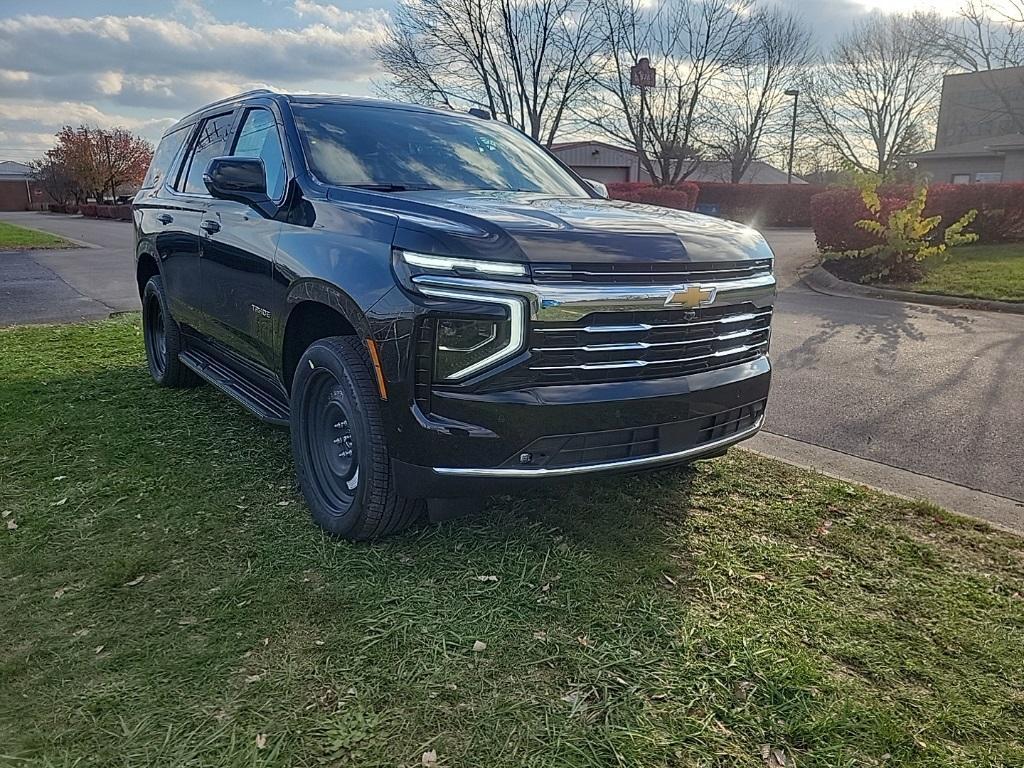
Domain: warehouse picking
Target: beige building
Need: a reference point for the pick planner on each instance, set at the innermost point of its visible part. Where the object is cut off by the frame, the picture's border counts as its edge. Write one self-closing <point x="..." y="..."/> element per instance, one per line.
<point x="607" y="163"/>
<point x="980" y="133"/>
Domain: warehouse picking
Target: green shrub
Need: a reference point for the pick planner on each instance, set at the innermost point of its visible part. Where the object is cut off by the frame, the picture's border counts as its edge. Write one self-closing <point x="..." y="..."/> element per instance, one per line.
<point x="906" y="237"/>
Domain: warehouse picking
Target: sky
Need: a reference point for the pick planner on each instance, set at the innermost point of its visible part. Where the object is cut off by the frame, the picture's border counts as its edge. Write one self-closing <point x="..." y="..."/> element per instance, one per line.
<point x="143" y="64"/>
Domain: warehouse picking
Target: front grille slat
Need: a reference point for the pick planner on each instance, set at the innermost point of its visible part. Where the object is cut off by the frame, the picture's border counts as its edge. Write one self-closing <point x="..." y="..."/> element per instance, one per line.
<point x="624" y="346"/>
<point x="649" y="273"/>
<point x="641" y="363"/>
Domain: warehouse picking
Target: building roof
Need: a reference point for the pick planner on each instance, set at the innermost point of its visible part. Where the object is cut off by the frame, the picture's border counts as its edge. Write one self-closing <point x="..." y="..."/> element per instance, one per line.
<point x="976" y="147"/>
<point x="574" y="144"/>
<point x="12" y="169"/>
<point x="711" y="171"/>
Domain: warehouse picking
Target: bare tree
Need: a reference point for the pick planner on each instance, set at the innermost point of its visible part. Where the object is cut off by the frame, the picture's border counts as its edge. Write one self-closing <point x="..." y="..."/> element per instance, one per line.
<point x="691" y="45"/>
<point x="749" y="109"/>
<point x="984" y="38"/>
<point x="875" y="93"/>
<point x="523" y="60"/>
<point x="981" y="36"/>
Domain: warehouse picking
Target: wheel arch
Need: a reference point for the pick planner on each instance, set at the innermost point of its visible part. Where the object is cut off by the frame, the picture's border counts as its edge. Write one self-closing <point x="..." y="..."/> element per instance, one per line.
<point x="146" y="266"/>
<point x="316" y="310"/>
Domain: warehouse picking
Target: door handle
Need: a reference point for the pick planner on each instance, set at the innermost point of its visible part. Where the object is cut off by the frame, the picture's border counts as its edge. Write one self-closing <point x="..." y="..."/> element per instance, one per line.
<point x="209" y="226"/>
<point x="165" y="218"/>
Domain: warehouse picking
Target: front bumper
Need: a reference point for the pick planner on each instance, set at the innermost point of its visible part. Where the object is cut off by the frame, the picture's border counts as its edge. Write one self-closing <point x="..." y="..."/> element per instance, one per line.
<point x="567" y="432"/>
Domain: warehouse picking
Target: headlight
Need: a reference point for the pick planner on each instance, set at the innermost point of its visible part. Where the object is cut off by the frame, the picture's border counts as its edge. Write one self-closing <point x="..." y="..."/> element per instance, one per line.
<point x="409" y="264"/>
<point x="464" y="346"/>
<point x="452" y="264"/>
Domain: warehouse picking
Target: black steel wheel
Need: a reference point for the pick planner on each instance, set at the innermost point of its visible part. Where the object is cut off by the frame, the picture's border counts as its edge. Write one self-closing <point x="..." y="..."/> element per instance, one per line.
<point x="338" y="443"/>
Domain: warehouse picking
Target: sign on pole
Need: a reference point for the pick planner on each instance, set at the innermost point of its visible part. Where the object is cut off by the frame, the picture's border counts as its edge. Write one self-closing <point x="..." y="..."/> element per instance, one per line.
<point x="642" y="74"/>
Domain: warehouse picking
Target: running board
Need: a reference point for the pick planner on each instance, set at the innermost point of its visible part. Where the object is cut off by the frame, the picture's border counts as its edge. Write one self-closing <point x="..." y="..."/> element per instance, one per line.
<point x="265" y="407"/>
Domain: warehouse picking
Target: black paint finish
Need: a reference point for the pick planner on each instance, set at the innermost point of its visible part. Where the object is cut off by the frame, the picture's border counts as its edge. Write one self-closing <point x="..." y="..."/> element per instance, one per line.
<point x="237" y="273"/>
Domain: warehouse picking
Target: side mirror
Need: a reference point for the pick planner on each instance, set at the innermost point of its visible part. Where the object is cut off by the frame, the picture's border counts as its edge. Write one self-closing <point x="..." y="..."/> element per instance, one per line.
<point x="242" y="179"/>
<point x="598" y="187"/>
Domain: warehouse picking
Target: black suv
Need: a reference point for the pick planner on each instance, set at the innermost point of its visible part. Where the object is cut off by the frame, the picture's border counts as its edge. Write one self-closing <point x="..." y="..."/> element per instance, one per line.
<point x="437" y="307"/>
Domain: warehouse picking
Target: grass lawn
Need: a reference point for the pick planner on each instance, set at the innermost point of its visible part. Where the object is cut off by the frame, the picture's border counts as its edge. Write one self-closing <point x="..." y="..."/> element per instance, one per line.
<point x="977" y="271"/>
<point x="167" y="602"/>
<point x="14" y="238"/>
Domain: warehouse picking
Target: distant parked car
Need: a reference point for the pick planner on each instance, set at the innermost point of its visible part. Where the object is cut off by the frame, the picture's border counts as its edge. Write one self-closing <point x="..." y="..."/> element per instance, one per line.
<point x="437" y="307"/>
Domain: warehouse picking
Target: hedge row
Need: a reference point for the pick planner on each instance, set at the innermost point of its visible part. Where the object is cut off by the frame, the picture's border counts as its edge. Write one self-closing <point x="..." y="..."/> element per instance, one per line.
<point x="1000" y="210"/>
<point x="763" y="205"/>
<point x="682" y="196"/>
<point x="94" y="210"/>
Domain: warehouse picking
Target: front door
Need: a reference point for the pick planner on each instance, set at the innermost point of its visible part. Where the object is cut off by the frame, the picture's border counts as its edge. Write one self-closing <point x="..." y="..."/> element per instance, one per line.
<point x="238" y="244"/>
<point x="179" y="241"/>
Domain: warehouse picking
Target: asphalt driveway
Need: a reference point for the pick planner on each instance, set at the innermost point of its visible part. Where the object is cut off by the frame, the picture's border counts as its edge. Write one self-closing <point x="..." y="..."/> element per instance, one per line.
<point x="931" y="390"/>
<point x="61" y="286"/>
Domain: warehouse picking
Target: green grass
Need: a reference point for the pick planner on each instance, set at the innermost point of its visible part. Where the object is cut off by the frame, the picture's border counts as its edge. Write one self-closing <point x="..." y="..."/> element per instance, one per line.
<point x="167" y="602"/>
<point x="14" y="238"/>
<point x="976" y="271"/>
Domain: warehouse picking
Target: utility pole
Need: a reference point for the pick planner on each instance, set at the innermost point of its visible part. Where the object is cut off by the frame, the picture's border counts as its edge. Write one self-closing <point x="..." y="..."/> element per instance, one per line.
<point x="642" y="76"/>
<point x="792" y="133"/>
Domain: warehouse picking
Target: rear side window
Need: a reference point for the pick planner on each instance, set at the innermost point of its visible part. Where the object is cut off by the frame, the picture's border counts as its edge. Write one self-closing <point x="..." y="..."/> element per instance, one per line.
<point x="258" y="137"/>
<point x="210" y="142"/>
<point x="165" y="154"/>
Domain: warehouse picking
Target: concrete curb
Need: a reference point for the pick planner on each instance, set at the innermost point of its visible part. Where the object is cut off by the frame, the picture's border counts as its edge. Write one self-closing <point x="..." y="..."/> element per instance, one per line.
<point x="821" y="280"/>
<point x="998" y="511"/>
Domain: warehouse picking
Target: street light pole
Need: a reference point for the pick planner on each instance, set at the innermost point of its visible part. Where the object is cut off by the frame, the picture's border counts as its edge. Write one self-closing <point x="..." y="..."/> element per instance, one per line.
<point x="792" y="133"/>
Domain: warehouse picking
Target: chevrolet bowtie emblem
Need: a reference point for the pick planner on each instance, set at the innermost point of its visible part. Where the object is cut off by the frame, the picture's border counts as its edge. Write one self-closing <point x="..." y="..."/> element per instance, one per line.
<point x="691" y="297"/>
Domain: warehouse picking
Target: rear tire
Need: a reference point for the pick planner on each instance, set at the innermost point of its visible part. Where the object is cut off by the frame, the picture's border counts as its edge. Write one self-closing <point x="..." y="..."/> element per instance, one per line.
<point x="341" y="457"/>
<point x="163" y="341"/>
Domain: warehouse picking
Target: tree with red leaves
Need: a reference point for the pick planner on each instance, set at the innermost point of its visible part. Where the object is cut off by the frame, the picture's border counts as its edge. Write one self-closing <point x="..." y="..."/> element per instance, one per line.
<point x="98" y="161"/>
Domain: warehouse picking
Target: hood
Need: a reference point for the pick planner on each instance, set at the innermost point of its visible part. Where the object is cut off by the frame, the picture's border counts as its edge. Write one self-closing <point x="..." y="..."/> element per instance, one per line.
<point x="524" y="226"/>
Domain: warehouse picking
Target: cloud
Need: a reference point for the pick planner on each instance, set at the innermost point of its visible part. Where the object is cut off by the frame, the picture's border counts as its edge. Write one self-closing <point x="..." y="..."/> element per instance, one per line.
<point x="153" y="55"/>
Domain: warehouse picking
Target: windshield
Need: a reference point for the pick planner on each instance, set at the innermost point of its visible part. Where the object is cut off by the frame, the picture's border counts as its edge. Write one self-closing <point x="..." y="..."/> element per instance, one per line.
<point x="395" y="149"/>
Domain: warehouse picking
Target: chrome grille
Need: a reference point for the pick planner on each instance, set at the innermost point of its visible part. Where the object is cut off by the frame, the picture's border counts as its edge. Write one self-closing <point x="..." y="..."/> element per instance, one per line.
<point x="615" y="346"/>
<point x="648" y="273"/>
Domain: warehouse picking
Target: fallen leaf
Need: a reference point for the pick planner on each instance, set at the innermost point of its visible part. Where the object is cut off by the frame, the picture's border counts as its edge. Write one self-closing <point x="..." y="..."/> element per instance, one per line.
<point x="60" y="593"/>
<point x="99" y="649"/>
<point x="773" y="758"/>
<point x="540" y="634"/>
<point x="6" y="513"/>
<point x="486" y="578"/>
<point x="261" y="741"/>
<point x="253" y="678"/>
<point x="428" y="759"/>
<point x="583" y="640"/>
<point x="58" y="478"/>
<point x="283" y="503"/>
<point x="60" y="503"/>
<point x="669" y="579"/>
<point x="136" y="581"/>
<point x="82" y="632"/>
<point x="11" y="525"/>
<point x="318" y="642"/>
<point x="479" y="646"/>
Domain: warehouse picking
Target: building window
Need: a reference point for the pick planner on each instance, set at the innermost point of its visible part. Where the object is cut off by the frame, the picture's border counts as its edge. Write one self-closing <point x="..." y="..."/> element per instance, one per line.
<point x="961" y="178"/>
<point x="988" y="178"/>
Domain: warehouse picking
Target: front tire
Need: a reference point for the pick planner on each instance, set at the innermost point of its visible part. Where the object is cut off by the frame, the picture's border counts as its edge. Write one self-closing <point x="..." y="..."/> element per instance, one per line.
<point x="162" y="337"/>
<point x="341" y="456"/>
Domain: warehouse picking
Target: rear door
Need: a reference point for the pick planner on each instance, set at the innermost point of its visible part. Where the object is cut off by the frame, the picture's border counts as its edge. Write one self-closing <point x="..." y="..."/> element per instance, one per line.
<point x="238" y="244"/>
<point x="180" y="225"/>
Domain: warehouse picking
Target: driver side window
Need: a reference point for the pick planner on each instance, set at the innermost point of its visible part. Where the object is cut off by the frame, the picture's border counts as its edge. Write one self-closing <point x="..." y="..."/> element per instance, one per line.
<point x="258" y="137"/>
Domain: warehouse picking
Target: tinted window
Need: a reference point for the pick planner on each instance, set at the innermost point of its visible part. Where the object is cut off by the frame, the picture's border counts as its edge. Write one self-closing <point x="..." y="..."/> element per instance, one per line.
<point x="259" y="138"/>
<point x="349" y="145"/>
<point x="165" y="154"/>
<point x="210" y="142"/>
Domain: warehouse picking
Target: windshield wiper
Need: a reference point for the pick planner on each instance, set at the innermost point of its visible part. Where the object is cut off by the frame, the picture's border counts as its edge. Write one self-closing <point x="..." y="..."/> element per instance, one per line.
<point x="393" y="187"/>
